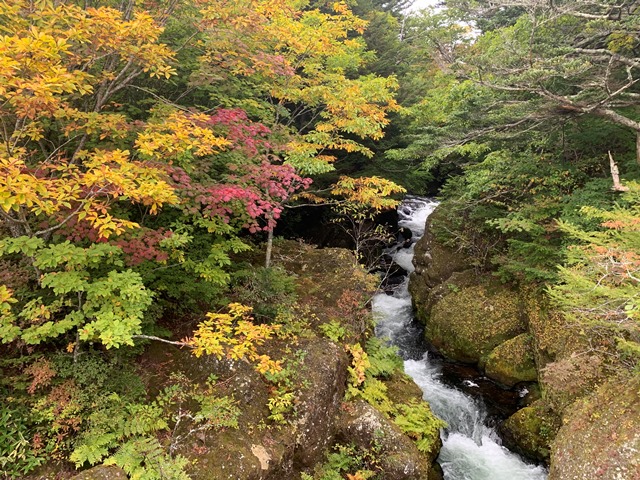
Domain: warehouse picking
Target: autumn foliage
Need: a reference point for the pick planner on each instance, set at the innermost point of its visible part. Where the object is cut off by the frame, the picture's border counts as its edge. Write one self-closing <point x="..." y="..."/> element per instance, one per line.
<point x="105" y="183"/>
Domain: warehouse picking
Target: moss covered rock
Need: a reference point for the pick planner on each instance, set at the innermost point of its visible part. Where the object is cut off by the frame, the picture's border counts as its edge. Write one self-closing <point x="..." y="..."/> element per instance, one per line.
<point x="600" y="438"/>
<point x="435" y="263"/>
<point x="513" y="361"/>
<point x="367" y="428"/>
<point x="102" y="472"/>
<point x="531" y="430"/>
<point x="468" y="324"/>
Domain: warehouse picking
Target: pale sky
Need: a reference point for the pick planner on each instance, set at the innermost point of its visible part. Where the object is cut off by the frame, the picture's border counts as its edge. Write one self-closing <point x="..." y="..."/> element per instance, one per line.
<point x="420" y="4"/>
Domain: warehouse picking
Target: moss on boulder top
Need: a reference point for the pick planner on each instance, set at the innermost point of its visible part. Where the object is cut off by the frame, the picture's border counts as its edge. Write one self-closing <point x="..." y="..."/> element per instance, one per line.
<point x="531" y="430"/>
<point x="600" y="438"/>
<point x="513" y="361"/>
<point x="468" y="324"/>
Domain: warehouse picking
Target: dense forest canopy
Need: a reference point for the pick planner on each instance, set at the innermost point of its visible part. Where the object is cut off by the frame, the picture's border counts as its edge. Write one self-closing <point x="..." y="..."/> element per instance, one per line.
<point x="147" y="147"/>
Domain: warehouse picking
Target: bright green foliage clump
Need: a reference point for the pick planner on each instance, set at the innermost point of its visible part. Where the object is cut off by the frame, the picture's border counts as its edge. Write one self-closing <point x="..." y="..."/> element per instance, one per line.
<point x="415" y="418"/>
<point x="83" y="289"/>
<point x="333" y="330"/>
<point x="417" y="421"/>
<point x="601" y="281"/>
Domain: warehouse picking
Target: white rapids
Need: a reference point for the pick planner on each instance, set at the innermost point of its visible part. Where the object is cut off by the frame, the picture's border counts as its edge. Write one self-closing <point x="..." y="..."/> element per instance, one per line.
<point x="471" y="450"/>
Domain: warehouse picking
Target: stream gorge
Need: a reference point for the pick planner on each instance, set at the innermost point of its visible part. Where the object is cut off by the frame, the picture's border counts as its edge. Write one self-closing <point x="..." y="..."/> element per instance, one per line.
<point x="472" y="449"/>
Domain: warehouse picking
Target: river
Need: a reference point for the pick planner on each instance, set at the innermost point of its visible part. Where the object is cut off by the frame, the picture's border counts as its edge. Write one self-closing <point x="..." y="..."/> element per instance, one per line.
<point x="471" y="449"/>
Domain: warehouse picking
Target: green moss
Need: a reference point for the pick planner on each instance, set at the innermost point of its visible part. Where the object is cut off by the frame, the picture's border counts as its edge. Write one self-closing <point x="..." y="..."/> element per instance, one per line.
<point x="532" y="429"/>
<point x="600" y="437"/>
<point x="468" y="324"/>
<point x="513" y="361"/>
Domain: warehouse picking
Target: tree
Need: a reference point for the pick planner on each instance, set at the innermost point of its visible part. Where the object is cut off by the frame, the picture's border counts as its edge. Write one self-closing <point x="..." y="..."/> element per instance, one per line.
<point x="302" y="65"/>
<point x="60" y="66"/>
<point x="599" y="288"/>
<point x="561" y="60"/>
<point x="82" y="178"/>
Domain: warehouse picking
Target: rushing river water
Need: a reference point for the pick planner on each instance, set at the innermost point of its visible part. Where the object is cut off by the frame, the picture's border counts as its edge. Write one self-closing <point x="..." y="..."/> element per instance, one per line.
<point x="471" y="449"/>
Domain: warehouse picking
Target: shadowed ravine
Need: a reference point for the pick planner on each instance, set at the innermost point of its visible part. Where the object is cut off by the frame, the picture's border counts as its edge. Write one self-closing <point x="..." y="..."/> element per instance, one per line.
<point x="471" y="449"/>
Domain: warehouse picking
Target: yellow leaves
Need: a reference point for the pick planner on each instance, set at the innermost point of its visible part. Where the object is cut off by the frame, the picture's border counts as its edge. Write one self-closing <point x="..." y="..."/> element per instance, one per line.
<point x="48" y="53"/>
<point x="373" y="192"/>
<point x="6" y="297"/>
<point x="177" y="134"/>
<point x="60" y="190"/>
<point x="307" y="57"/>
<point x="359" y="365"/>
<point x="233" y="335"/>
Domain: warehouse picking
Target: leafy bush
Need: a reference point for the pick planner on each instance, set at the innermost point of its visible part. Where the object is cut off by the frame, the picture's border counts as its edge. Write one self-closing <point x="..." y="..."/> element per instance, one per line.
<point x="267" y="290"/>
<point x="17" y="455"/>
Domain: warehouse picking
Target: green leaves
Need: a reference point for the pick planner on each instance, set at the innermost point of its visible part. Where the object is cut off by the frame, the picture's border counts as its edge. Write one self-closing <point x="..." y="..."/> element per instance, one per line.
<point x="418" y="421"/>
<point x="600" y="284"/>
<point x="81" y="289"/>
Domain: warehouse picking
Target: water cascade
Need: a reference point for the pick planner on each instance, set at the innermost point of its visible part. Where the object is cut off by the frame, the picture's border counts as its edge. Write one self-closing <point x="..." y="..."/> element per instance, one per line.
<point x="471" y="448"/>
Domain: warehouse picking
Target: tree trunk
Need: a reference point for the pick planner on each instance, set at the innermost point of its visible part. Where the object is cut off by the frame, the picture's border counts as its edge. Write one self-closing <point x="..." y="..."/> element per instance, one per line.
<point x="267" y="257"/>
<point x="615" y="117"/>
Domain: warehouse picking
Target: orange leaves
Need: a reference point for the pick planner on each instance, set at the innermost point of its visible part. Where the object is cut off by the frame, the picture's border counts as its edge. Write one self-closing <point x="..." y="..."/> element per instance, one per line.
<point x="360" y="363"/>
<point x="233" y="335"/>
<point x="34" y="74"/>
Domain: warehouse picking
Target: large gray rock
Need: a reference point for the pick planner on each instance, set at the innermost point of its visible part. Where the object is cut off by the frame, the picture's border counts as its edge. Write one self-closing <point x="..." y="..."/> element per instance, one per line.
<point x="254" y="453"/>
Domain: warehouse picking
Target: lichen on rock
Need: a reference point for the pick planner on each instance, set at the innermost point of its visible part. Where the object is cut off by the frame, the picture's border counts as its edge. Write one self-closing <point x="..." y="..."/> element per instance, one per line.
<point x="364" y="426"/>
<point x="600" y="438"/>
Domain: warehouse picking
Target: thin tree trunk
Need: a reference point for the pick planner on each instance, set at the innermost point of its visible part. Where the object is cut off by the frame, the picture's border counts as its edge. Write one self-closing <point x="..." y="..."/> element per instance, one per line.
<point x="622" y="120"/>
<point x="267" y="257"/>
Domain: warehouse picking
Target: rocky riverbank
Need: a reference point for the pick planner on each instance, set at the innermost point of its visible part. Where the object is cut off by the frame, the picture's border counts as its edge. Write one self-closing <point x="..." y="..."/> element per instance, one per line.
<point x="327" y="413"/>
<point x="510" y="334"/>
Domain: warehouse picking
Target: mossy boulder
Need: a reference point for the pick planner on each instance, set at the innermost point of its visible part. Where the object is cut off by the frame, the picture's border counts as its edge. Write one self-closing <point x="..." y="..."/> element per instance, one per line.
<point x="468" y="324"/>
<point x="102" y="472"/>
<point x="259" y="450"/>
<point x="600" y="438"/>
<point x="531" y="430"/>
<point x="434" y="264"/>
<point x="513" y="361"/>
<point x="367" y="428"/>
